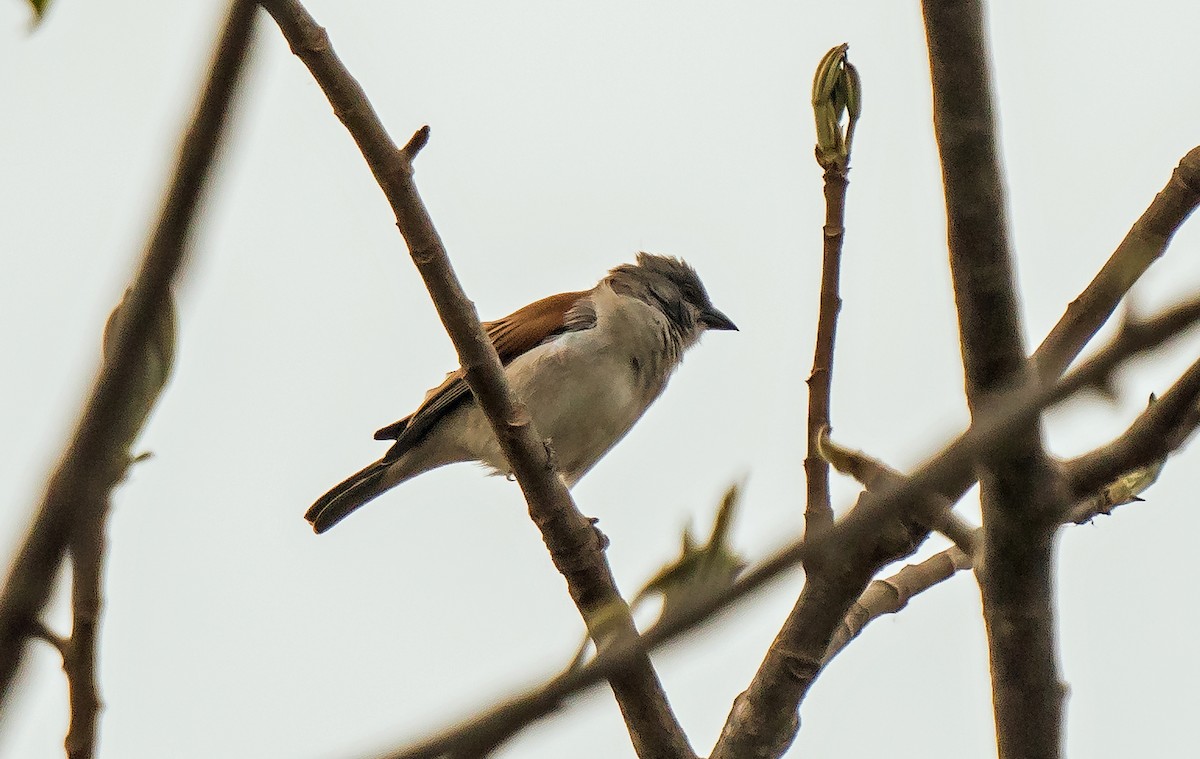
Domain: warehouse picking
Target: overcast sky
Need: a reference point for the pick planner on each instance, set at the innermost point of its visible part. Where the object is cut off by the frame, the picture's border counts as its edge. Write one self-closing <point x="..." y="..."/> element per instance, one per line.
<point x="566" y="137"/>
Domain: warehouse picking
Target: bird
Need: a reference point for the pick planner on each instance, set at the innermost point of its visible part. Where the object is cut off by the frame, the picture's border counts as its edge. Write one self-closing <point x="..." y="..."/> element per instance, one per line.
<point x="586" y="364"/>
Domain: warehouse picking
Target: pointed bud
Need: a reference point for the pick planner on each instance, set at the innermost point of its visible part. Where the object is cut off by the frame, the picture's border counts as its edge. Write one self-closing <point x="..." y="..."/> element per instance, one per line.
<point x="837" y="93"/>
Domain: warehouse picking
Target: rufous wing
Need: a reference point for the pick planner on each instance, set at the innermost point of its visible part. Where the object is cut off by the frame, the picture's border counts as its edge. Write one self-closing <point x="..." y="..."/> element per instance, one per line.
<point x="512" y="336"/>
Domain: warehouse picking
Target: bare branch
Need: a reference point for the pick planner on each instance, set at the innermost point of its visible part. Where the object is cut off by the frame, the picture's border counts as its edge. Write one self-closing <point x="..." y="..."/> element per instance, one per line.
<point x="85" y="472"/>
<point x="87" y="547"/>
<point x="499" y="723"/>
<point x="1019" y="487"/>
<point x="890" y="595"/>
<point x="835" y="82"/>
<point x="1092" y="307"/>
<point x="573" y="544"/>
<point x="763" y="720"/>
<point x="1146" y="241"/>
<point x="873" y="474"/>
<point x="1159" y="432"/>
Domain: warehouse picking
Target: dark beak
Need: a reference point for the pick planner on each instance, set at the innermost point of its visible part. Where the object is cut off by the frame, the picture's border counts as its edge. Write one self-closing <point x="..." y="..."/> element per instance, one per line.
<point x="714" y="319"/>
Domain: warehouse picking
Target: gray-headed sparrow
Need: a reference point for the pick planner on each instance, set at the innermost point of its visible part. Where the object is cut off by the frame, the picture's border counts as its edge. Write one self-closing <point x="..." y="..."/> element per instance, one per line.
<point x="587" y="365"/>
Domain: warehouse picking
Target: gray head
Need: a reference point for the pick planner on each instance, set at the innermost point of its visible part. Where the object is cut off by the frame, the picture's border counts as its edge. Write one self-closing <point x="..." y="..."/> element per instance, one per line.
<point x="674" y="288"/>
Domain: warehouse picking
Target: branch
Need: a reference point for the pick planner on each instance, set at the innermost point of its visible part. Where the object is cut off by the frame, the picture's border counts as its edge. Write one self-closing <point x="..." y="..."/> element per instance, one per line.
<point x="574" y="545"/>
<point x="87" y="547"/>
<point x="1154" y="436"/>
<point x="1157" y="433"/>
<point x="1020" y="491"/>
<point x="886" y="596"/>
<point x="763" y="720"/>
<point x="1146" y="241"/>
<point x="873" y="475"/>
<point x="835" y="87"/>
<point x="890" y="595"/>
<point x="84" y="474"/>
<point x="1169" y="209"/>
<point x="484" y="731"/>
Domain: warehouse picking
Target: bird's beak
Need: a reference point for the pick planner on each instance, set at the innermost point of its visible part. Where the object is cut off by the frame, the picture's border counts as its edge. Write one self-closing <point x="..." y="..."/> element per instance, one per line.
<point x="714" y="319"/>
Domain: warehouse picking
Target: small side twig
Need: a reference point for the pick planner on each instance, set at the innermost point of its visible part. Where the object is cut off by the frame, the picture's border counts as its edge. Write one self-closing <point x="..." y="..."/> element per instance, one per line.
<point x="1158" y="431"/>
<point x="41" y="631"/>
<point x="892" y="594"/>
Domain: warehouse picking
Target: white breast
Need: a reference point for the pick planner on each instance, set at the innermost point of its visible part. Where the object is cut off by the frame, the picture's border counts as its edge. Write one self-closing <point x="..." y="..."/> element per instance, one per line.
<point x="586" y="389"/>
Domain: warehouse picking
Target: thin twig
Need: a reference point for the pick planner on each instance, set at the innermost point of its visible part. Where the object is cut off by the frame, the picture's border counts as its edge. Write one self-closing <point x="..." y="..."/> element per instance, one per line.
<point x="818" y="513"/>
<point x="484" y="731"/>
<point x="835" y="90"/>
<point x="892" y="594"/>
<point x="87" y="548"/>
<point x="763" y="721"/>
<point x="569" y="536"/>
<point x="78" y="483"/>
<point x="1020" y="490"/>
<point x="41" y="631"/>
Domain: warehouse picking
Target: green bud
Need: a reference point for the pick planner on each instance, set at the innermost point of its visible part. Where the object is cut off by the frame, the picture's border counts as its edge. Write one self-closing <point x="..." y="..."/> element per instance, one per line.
<point x="836" y="94"/>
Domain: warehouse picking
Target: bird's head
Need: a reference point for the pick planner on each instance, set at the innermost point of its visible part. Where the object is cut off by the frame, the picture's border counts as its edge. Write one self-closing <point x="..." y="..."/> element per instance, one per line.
<point x="673" y="287"/>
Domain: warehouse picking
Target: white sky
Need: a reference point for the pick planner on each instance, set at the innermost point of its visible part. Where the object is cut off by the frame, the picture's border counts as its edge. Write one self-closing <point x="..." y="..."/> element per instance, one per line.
<point x="566" y="137"/>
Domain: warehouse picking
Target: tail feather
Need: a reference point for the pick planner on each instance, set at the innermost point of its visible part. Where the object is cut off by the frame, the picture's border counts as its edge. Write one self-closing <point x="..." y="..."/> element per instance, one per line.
<point x="359" y="488"/>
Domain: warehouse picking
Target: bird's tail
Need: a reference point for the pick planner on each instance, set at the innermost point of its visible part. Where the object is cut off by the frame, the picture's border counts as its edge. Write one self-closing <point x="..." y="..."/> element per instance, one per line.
<point x="359" y="488"/>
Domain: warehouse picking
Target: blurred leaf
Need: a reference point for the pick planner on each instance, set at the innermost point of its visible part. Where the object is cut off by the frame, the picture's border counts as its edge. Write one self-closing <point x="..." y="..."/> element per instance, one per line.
<point x="153" y="368"/>
<point x="39" y="9"/>
<point x="700" y="571"/>
<point x="1126" y="488"/>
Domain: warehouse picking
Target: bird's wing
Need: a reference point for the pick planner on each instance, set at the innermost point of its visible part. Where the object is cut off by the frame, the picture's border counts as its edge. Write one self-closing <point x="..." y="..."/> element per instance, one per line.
<point x="512" y="336"/>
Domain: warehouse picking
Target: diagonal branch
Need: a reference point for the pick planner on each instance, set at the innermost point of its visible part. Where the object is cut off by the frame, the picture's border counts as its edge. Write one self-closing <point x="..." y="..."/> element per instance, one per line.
<point x="84" y="474"/>
<point x="1146" y="241"/>
<point x="574" y="545"/>
<point x="1157" y="432"/>
<point x="892" y="594"/>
